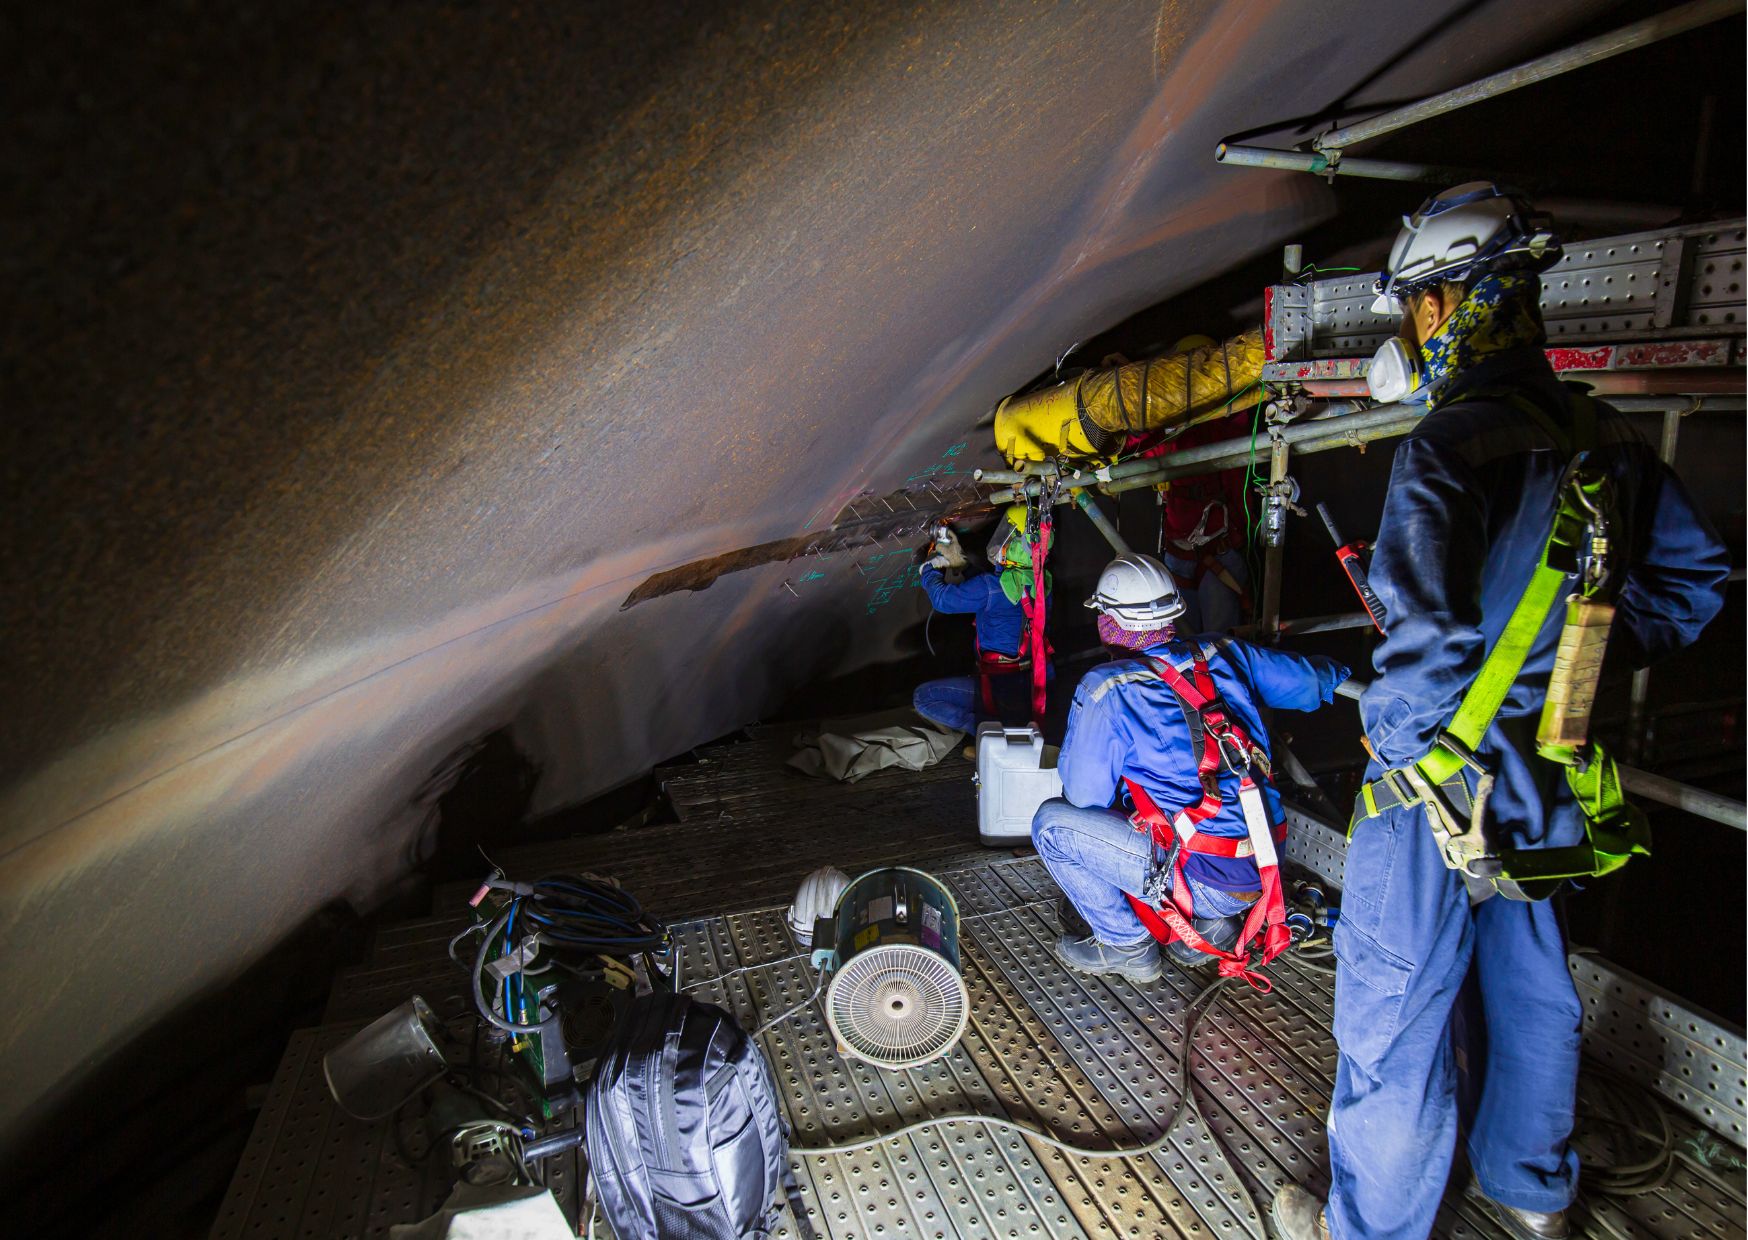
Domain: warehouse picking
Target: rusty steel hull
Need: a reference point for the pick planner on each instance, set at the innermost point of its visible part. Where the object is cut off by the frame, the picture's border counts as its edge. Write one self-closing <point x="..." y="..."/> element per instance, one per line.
<point x="367" y="362"/>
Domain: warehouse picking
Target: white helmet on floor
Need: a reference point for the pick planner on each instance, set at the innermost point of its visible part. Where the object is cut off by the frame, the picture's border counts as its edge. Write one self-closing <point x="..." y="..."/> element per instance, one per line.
<point x="816" y="897"/>
<point x="1138" y="593"/>
<point x="1461" y="233"/>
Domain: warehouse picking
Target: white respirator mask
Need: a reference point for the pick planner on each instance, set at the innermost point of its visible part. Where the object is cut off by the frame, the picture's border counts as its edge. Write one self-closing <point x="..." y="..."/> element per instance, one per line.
<point x="1395" y="371"/>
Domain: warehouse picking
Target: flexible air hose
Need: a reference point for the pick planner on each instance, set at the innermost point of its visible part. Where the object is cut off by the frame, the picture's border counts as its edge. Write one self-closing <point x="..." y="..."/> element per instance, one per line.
<point x="1186" y="1100"/>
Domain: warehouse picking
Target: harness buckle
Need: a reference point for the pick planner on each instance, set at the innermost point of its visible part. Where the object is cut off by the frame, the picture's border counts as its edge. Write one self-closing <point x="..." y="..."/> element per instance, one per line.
<point x="1235" y="757"/>
<point x="1156" y="890"/>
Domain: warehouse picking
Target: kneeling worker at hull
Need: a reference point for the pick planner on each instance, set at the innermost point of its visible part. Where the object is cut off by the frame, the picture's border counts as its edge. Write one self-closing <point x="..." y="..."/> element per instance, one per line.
<point x="1521" y="517"/>
<point x="1143" y="729"/>
<point x="1001" y="602"/>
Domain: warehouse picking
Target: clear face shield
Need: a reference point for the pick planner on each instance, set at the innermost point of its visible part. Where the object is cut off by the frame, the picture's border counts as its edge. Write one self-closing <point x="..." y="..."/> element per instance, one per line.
<point x="998" y="543"/>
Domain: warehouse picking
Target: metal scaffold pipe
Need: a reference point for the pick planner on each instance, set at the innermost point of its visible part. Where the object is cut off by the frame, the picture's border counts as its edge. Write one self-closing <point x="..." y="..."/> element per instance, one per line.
<point x="1651" y="30"/>
<point x="1313" y="624"/>
<point x="1312" y="435"/>
<point x="1685" y="796"/>
<point x="1103" y="523"/>
<point x="1319" y="164"/>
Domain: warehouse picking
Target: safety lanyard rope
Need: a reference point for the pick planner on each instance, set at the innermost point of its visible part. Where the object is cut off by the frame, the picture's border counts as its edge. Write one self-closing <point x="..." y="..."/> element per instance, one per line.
<point x="1039" y="527"/>
<point x="1614" y="830"/>
<point x="1547" y="584"/>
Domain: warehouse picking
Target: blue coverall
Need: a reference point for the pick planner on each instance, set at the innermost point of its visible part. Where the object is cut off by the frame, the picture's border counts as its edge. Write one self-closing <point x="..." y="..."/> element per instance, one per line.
<point x="1126" y="722"/>
<point x="955" y="701"/>
<point x="1471" y="499"/>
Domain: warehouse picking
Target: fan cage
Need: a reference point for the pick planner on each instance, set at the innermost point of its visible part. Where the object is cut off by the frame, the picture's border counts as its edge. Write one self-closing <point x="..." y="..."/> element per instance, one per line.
<point x="897" y="1006"/>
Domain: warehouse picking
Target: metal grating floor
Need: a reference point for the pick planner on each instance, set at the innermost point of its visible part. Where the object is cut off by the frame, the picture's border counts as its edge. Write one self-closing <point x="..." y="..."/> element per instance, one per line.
<point x="1095" y="1062"/>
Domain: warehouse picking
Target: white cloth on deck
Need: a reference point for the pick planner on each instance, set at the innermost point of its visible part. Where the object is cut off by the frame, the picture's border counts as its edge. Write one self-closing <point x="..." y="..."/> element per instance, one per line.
<point x="850" y="749"/>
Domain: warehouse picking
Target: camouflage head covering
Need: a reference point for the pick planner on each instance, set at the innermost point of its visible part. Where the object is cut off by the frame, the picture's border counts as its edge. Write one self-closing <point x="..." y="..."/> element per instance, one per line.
<point x="1502" y="312"/>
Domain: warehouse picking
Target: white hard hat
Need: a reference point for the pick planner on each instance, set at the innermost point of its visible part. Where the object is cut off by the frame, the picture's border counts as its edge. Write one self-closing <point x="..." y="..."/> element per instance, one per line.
<point x="816" y="897"/>
<point x="1138" y="593"/>
<point x="1460" y="233"/>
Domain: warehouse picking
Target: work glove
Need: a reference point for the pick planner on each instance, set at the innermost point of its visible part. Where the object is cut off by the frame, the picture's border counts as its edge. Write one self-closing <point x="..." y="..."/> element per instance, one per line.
<point x="948" y="552"/>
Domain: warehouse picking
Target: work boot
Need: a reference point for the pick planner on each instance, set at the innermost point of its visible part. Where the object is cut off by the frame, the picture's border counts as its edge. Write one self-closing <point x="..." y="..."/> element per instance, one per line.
<point x="1524" y="1224"/>
<point x="1221" y="932"/>
<point x="1297" y="1215"/>
<point x="1139" y="962"/>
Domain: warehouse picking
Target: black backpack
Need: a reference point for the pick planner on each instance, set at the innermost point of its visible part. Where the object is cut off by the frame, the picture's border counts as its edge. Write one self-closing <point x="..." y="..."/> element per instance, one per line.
<point x="684" y="1133"/>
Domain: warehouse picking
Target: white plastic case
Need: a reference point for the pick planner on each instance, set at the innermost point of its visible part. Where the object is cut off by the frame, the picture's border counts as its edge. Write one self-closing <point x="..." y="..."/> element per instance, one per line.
<point x="1016" y="773"/>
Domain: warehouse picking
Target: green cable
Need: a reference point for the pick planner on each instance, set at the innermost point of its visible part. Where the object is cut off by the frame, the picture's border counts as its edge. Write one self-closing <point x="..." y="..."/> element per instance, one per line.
<point x="1251" y="524"/>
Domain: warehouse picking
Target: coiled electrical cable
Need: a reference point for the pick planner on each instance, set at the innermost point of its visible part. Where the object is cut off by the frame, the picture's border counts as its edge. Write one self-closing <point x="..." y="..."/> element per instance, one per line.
<point x="573" y="915"/>
<point x="591" y="916"/>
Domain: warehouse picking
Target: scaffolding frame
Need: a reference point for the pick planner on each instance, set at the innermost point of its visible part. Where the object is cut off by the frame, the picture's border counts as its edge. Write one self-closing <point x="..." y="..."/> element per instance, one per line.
<point x="1652" y="320"/>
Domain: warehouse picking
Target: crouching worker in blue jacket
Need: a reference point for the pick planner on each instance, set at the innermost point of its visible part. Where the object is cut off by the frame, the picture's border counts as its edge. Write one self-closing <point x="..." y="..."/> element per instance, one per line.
<point x="1139" y="735"/>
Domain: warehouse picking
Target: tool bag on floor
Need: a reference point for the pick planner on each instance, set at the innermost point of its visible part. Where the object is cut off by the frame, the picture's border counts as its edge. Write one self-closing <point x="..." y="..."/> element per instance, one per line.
<point x="685" y="1135"/>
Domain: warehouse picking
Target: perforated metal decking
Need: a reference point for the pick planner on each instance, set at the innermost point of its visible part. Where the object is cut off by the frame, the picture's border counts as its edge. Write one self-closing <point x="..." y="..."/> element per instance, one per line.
<point x="1097" y="1062"/>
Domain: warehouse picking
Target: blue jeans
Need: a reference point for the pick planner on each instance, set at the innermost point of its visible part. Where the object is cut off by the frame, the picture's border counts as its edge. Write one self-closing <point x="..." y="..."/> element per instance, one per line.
<point x="1209" y="606"/>
<point x="1406" y="941"/>
<point x="956" y="701"/>
<point x="1096" y="856"/>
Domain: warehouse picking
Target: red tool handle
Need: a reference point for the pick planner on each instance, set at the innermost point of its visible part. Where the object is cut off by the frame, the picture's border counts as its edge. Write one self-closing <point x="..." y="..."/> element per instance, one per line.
<point x="1354" y="565"/>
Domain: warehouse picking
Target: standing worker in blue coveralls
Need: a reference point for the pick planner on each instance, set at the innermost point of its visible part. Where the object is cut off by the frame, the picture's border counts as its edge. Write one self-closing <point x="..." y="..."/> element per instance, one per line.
<point x="1127" y="723"/>
<point x="1516" y="509"/>
<point x="1002" y="687"/>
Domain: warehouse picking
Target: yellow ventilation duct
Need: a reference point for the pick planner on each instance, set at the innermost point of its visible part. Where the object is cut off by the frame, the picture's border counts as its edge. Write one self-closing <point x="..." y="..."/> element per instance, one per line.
<point x="1091" y="416"/>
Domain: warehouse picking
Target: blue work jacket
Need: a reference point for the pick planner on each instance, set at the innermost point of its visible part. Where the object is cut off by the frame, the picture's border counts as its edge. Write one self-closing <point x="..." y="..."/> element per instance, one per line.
<point x="1000" y="624"/>
<point x="1127" y="723"/>
<point x="1472" y="496"/>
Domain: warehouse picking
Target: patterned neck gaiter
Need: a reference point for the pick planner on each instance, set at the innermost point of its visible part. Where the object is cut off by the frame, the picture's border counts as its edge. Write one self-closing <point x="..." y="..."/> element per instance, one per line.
<point x="1501" y="312"/>
<point x="1117" y="637"/>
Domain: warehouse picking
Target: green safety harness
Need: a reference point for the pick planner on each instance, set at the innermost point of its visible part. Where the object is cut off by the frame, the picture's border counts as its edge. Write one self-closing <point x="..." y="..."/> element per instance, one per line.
<point x="1579" y="544"/>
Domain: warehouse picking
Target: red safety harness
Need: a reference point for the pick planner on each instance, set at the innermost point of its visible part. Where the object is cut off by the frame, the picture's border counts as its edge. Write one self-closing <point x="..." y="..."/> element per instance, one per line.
<point x="991" y="663"/>
<point x="1035" y="649"/>
<point x="1034" y="607"/>
<point x="1224" y="747"/>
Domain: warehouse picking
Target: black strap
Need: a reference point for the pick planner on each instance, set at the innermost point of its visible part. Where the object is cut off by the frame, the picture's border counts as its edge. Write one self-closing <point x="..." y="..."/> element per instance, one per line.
<point x="1580" y="435"/>
<point x="797" y="1207"/>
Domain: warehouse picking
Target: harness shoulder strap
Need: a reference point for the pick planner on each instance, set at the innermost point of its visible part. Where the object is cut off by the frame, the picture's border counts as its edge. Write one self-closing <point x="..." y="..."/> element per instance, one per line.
<point x="1504" y="663"/>
<point x="1614" y="829"/>
<point x="1193" y="679"/>
<point x="1193" y="702"/>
